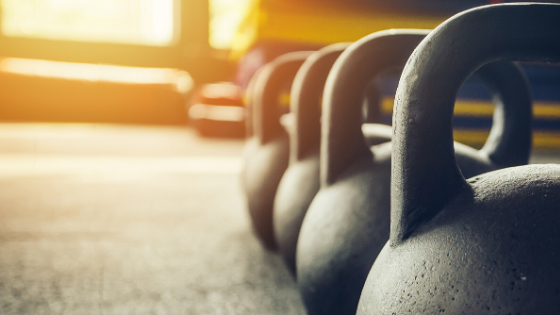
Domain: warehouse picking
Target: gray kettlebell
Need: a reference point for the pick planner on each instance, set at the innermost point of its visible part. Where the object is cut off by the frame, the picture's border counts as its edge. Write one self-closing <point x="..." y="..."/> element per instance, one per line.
<point x="348" y="222"/>
<point x="300" y="182"/>
<point x="266" y="152"/>
<point x="248" y="104"/>
<point x="486" y="245"/>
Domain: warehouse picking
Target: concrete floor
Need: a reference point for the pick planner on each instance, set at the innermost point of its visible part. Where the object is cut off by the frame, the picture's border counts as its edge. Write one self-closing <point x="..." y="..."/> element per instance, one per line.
<point x="102" y="219"/>
<point x="106" y="219"/>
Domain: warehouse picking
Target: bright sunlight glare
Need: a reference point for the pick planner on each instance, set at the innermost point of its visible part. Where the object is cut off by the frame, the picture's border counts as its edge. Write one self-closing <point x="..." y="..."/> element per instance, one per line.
<point x="140" y="22"/>
<point x="225" y="18"/>
<point x="95" y="73"/>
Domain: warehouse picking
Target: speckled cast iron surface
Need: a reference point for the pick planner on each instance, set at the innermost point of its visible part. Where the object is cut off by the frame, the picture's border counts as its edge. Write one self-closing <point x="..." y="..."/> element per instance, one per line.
<point x="300" y="182"/>
<point x="266" y="153"/>
<point x="484" y="245"/>
<point x="348" y="222"/>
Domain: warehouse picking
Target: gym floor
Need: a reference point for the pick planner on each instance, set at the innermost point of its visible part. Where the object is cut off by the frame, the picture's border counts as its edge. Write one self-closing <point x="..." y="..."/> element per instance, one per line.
<point x="111" y="219"/>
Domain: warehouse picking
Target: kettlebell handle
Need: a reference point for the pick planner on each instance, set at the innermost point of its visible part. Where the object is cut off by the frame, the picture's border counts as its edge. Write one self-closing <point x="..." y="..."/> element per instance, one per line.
<point x="305" y="99"/>
<point x="509" y="142"/>
<point x="248" y="101"/>
<point x="271" y="80"/>
<point x="425" y="175"/>
<point x="342" y="138"/>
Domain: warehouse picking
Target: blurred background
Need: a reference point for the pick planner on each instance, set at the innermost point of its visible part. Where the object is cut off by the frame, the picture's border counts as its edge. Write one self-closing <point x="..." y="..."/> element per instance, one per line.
<point x="150" y="62"/>
<point x="109" y="204"/>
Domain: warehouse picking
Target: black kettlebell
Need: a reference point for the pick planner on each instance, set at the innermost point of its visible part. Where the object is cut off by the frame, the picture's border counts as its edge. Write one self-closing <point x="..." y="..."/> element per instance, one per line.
<point x="486" y="245"/>
<point x="300" y="182"/>
<point x="266" y="152"/>
<point x="348" y="222"/>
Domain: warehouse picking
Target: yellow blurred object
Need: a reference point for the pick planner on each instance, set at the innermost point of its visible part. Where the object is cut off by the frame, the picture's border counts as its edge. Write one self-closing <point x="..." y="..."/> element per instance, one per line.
<point x="542" y="140"/>
<point x="542" y="111"/>
<point x="329" y="23"/>
<point x="225" y="18"/>
<point x="485" y="108"/>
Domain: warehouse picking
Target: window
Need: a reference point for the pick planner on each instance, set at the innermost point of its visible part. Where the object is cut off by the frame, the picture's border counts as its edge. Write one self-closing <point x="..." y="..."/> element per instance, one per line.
<point x="137" y="22"/>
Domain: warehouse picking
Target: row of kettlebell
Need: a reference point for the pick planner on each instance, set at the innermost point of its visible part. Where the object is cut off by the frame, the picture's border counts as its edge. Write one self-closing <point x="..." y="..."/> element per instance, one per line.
<point x="402" y="211"/>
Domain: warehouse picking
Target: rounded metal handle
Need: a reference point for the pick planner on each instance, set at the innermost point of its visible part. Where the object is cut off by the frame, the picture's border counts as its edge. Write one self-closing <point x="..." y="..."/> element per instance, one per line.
<point x="425" y="175"/>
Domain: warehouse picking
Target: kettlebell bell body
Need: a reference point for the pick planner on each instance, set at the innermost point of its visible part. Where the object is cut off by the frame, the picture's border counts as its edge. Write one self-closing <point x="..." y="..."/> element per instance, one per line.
<point x="486" y="245"/>
<point x="300" y="182"/>
<point x="266" y="153"/>
<point x="348" y="222"/>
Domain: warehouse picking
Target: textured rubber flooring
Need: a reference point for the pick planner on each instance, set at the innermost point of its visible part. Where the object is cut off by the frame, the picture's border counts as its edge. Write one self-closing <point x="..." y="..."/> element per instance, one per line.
<point x="102" y="219"/>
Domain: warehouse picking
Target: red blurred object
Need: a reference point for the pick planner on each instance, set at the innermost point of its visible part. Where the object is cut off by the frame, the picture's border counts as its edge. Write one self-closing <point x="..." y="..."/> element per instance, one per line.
<point x="217" y="110"/>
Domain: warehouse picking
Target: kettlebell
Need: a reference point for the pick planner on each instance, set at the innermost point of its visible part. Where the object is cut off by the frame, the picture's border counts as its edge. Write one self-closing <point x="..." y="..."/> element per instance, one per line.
<point x="266" y="152"/>
<point x="486" y="245"/>
<point x="300" y="182"/>
<point x="248" y="104"/>
<point x="348" y="222"/>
